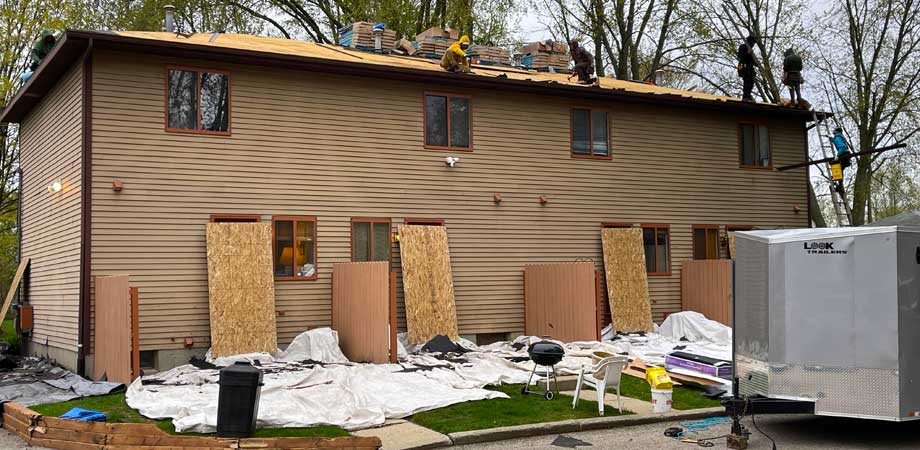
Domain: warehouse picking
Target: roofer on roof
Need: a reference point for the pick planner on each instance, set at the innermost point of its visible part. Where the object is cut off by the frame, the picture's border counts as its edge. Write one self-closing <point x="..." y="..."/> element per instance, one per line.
<point x="42" y="47"/>
<point x="792" y="76"/>
<point x="584" y="63"/>
<point x="747" y="66"/>
<point x="454" y="59"/>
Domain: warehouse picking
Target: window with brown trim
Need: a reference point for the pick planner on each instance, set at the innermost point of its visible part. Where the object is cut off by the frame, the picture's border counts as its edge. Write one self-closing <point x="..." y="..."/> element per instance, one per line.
<point x="433" y="222"/>
<point x="656" y="239"/>
<point x="706" y="242"/>
<point x="197" y="101"/>
<point x="755" y="151"/>
<point x="370" y="239"/>
<point x="235" y="218"/>
<point x="590" y="133"/>
<point x="294" y="247"/>
<point x="448" y="122"/>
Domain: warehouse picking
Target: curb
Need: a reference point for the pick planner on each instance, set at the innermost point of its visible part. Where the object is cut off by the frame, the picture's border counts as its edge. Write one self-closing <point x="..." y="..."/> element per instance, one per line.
<point x="571" y="426"/>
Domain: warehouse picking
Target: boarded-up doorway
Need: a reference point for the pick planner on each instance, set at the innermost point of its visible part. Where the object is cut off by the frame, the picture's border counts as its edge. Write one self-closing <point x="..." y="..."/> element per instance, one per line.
<point x="364" y="310"/>
<point x="113" y="338"/>
<point x="562" y="301"/>
<point x="706" y="287"/>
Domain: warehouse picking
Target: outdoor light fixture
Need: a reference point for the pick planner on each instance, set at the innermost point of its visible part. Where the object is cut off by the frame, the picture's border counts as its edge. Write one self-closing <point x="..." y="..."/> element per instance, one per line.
<point x="56" y="186"/>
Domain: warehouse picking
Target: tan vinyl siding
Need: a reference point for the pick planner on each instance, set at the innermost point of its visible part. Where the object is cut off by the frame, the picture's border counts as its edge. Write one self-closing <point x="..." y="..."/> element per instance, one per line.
<point x="339" y="147"/>
<point x="51" y="140"/>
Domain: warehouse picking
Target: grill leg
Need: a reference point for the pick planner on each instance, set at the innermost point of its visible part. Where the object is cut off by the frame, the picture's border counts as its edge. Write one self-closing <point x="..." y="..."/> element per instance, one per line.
<point x="526" y="389"/>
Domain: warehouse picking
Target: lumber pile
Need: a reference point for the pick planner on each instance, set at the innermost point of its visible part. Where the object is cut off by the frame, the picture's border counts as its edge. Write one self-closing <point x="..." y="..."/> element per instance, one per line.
<point x="544" y="56"/>
<point x="491" y="55"/>
<point x="360" y="35"/>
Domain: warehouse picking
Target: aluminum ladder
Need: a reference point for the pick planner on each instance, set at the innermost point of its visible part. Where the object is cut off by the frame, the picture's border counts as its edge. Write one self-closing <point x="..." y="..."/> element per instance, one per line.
<point x="841" y="207"/>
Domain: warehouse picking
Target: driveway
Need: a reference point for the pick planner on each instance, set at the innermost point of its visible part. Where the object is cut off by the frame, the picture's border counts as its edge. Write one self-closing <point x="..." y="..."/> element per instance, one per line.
<point x="790" y="432"/>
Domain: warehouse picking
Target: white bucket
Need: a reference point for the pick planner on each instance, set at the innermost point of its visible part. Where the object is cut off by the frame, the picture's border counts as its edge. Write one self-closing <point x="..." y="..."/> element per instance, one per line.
<point x="661" y="400"/>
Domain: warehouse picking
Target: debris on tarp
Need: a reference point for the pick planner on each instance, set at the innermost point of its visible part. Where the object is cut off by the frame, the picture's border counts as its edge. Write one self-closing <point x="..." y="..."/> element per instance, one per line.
<point x="37" y="381"/>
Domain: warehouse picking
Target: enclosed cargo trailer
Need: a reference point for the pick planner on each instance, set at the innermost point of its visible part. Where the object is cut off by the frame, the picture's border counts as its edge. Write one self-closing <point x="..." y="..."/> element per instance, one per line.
<point x="832" y="317"/>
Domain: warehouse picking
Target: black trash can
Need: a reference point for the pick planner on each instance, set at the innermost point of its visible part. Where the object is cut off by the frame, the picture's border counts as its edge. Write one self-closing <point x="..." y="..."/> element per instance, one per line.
<point x="238" y="400"/>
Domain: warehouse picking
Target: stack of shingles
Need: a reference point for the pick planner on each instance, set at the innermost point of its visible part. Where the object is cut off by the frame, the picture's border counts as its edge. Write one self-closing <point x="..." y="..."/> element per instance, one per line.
<point x="361" y="35"/>
<point x="435" y="41"/>
<point x="491" y="55"/>
<point x="544" y="56"/>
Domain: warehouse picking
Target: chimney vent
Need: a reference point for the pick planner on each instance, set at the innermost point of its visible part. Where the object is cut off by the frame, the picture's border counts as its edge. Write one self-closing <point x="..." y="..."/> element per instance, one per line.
<point x="170" y="18"/>
<point x="378" y="39"/>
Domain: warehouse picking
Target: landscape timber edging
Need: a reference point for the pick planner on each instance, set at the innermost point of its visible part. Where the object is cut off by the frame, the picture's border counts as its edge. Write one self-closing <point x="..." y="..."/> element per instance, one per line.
<point x="63" y="434"/>
<point x="572" y="426"/>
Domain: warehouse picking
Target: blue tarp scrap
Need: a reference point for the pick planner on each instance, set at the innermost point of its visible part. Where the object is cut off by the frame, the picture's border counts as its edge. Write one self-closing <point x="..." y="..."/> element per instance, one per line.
<point x="84" y="415"/>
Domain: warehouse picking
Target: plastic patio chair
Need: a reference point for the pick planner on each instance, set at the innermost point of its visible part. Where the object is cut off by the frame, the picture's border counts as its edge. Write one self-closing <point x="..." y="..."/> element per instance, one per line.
<point x="605" y="374"/>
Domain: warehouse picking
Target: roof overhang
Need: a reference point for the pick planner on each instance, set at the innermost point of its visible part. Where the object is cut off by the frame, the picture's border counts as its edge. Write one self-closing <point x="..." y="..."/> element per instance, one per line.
<point x="75" y="43"/>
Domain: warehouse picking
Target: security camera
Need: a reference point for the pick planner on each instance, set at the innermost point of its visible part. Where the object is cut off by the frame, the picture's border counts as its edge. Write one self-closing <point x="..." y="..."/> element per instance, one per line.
<point x="451" y="161"/>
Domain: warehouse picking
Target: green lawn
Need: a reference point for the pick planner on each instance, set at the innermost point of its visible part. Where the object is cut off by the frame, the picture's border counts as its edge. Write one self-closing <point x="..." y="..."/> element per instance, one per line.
<point x="8" y="334"/>
<point x="118" y="411"/>
<point x="517" y="410"/>
<point x="684" y="397"/>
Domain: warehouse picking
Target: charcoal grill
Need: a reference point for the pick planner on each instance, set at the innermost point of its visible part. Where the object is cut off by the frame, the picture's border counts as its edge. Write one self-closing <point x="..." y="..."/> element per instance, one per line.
<point x="544" y="354"/>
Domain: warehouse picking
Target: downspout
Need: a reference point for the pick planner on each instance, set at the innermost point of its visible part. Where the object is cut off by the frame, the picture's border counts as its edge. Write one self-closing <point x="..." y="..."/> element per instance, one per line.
<point x="86" y="179"/>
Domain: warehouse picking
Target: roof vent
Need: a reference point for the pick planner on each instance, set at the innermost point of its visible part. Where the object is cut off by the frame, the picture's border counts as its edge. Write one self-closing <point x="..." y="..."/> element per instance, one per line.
<point x="170" y="23"/>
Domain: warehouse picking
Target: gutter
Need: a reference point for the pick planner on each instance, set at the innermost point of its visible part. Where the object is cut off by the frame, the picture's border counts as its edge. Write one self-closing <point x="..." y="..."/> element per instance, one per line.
<point x="86" y="180"/>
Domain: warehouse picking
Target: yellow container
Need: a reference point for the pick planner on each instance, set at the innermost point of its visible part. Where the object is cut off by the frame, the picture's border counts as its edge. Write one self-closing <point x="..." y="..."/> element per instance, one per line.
<point x="658" y="378"/>
<point x="836" y="172"/>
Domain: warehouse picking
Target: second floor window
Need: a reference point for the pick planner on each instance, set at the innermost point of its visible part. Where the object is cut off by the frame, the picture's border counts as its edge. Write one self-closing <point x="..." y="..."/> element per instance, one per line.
<point x="590" y="134"/>
<point x="448" y="122"/>
<point x="755" y="146"/>
<point x="198" y="101"/>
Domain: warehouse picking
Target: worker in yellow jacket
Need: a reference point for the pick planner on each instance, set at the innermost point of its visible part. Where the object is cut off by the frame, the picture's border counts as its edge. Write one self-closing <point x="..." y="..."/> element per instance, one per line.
<point x="454" y="59"/>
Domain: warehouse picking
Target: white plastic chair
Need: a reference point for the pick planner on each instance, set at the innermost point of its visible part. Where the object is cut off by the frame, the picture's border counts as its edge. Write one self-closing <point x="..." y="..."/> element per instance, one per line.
<point x="605" y="374"/>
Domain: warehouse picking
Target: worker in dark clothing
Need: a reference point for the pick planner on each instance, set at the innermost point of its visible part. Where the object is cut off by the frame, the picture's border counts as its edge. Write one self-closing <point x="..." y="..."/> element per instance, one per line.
<point x="747" y="65"/>
<point x="584" y="63"/>
<point x="792" y="76"/>
<point x="42" y="47"/>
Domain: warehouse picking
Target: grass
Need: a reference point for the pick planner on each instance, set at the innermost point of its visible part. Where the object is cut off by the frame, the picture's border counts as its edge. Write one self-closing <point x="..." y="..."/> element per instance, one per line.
<point x="517" y="410"/>
<point x="114" y="406"/>
<point x="684" y="397"/>
<point x="8" y="334"/>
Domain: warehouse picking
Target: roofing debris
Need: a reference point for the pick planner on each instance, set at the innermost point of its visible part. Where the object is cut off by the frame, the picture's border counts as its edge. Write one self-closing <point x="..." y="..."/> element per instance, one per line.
<point x="37" y="381"/>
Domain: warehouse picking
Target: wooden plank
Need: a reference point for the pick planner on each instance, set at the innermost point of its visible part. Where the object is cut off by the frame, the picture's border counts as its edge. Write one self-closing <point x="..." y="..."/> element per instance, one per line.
<point x="394" y="353"/>
<point x="560" y="300"/>
<point x="135" y="334"/>
<point x="706" y="287"/>
<point x="627" y="279"/>
<point x="361" y="309"/>
<point x="427" y="282"/>
<point x="14" y="286"/>
<point x="113" y="330"/>
<point x="241" y="288"/>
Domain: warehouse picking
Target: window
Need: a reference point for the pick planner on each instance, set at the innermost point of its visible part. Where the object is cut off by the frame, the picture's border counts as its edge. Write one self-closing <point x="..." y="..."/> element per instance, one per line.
<point x="433" y="222"/>
<point x="197" y="101"/>
<point x="294" y="247"/>
<point x="657" y="242"/>
<point x="448" y="122"/>
<point x="590" y="134"/>
<point x="706" y="242"/>
<point x="370" y="240"/>
<point x="225" y="218"/>
<point x="755" y="146"/>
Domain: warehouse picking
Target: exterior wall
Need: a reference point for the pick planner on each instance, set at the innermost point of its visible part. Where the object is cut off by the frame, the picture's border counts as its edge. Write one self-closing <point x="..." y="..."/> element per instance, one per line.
<point x="51" y="144"/>
<point x="339" y="147"/>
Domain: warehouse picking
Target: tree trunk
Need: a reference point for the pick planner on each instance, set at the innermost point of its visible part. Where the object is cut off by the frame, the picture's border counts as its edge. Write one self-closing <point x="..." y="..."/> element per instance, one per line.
<point x="861" y="189"/>
<point x="814" y="209"/>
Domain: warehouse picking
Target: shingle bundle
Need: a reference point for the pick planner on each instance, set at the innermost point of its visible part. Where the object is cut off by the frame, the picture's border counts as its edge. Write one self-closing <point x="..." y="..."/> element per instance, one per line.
<point x="491" y="55"/>
<point x="544" y="56"/>
<point x="361" y="35"/>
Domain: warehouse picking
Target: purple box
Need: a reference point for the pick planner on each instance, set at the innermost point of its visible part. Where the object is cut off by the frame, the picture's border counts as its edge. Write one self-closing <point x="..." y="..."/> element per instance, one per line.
<point x="709" y="366"/>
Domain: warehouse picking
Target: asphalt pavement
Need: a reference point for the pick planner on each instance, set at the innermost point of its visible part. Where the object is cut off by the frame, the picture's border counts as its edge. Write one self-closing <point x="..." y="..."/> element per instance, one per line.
<point x="790" y="432"/>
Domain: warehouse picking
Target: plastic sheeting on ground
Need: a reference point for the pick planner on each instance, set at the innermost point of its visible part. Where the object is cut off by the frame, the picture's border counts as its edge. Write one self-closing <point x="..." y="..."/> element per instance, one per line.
<point x="311" y="383"/>
<point x="36" y="381"/>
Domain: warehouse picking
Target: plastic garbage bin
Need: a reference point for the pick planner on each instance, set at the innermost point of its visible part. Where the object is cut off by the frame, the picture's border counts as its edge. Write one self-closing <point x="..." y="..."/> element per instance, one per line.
<point x="238" y="400"/>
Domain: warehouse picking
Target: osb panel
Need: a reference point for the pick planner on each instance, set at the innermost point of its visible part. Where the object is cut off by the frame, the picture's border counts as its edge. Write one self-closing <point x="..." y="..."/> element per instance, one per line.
<point x="241" y="288"/>
<point x="706" y="287"/>
<point x="560" y="301"/>
<point x="112" y="357"/>
<point x="361" y="310"/>
<point x="731" y="245"/>
<point x="627" y="280"/>
<point x="428" y="286"/>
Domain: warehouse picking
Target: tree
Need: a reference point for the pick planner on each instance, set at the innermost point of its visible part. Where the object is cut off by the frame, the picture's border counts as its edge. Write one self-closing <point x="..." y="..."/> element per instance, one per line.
<point x="871" y="64"/>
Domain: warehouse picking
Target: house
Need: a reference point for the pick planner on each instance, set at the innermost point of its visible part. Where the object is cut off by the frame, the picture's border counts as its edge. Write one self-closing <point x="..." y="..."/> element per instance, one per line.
<point x="149" y="136"/>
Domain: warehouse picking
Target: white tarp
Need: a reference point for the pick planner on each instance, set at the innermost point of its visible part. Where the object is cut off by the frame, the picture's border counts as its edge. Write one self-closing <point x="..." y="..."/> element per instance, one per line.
<point x="693" y="326"/>
<point x="313" y="384"/>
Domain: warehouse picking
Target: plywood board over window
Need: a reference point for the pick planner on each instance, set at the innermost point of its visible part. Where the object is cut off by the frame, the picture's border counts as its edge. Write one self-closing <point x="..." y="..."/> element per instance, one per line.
<point x="428" y="286"/>
<point x="241" y="289"/>
<point x="627" y="280"/>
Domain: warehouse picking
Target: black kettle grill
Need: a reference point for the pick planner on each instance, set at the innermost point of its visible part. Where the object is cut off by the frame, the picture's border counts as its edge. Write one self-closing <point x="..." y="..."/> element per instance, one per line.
<point x="544" y="354"/>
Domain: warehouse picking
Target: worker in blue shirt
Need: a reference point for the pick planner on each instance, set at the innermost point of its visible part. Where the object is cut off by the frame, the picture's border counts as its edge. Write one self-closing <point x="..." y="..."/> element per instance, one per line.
<point x="843" y="148"/>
